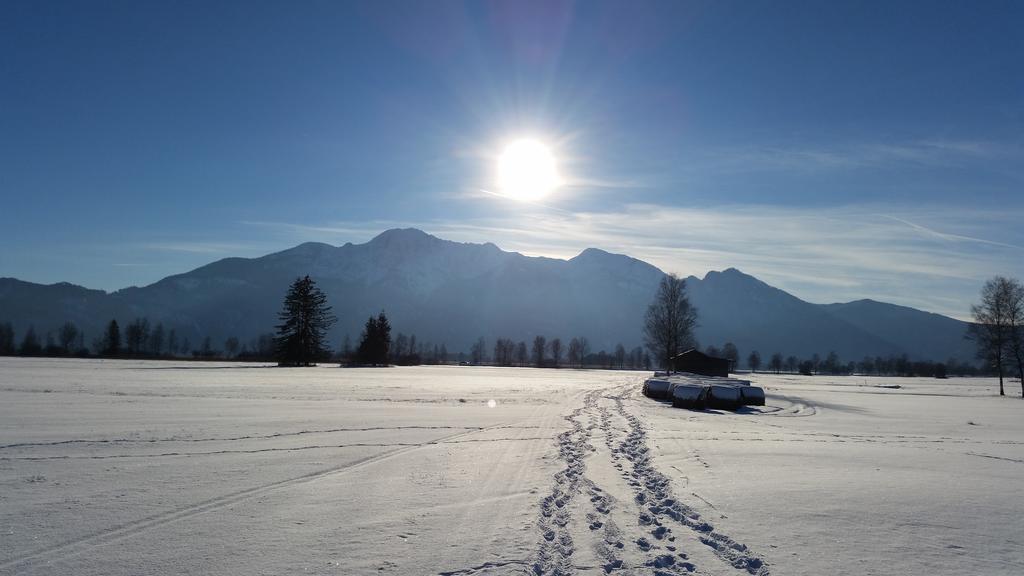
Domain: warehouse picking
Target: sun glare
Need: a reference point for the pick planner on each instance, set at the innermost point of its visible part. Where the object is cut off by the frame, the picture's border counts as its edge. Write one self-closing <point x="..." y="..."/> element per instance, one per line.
<point x="527" y="171"/>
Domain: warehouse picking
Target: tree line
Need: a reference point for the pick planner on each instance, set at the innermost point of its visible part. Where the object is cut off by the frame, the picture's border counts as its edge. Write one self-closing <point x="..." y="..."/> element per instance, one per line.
<point x="136" y="340"/>
<point x="669" y="324"/>
<point x="892" y="365"/>
<point x="554" y="353"/>
<point x="306" y="308"/>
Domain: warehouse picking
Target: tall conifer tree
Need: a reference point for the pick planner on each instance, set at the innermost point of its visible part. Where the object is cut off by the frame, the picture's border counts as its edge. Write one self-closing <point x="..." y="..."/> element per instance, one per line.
<point x="305" y="319"/>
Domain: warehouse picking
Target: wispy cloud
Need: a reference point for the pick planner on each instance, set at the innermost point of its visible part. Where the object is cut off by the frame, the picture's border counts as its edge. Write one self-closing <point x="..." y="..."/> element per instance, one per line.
<point x="951" y="237"/>
<point x="196" y="247"/>
<point x="808" y="158"/>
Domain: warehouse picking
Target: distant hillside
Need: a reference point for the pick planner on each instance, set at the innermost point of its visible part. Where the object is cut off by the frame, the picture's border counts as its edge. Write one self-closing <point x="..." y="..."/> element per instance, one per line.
<point x="756" y="316"/>
<point x="452" y="293"/>
<point x="918" y="333"/>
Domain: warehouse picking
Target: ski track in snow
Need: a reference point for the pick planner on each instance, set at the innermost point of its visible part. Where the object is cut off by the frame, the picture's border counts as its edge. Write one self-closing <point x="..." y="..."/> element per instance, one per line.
<point x="575" y="500"/>
<point x="129" y="529"/>
<point x="263" y="450"/>
<point x="249" y="437"/>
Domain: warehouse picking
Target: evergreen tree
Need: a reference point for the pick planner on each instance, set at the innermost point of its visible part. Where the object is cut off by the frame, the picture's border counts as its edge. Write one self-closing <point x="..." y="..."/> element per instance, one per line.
<point x="6" y="339"/>
<point x="30" y="345"/>
<point x="112" y="339"/>
<point x="375" y="344"/>
<point x="156" y="340"/>
<point x="305" y="319"/>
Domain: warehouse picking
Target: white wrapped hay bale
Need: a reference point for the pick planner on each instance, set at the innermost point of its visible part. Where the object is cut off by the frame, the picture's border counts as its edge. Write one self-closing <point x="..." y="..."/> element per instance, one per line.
<point x="723" y="397"/>
<point x="688" y="396"/>
<point x="655" y="388"/>
<point x="752" y="395"/>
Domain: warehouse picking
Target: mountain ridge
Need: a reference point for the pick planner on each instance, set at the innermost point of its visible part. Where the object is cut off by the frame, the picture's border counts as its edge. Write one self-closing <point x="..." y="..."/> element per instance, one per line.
<point x="454" y="292"/>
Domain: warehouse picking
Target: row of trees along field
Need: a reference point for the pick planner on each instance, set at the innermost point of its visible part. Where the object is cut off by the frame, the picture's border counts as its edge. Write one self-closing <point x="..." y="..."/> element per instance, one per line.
<point x="306" y="317"/>
<point x="136" y="340"/>
<point x="554" y="353"/>
<point x="893" y="365"/>
<point x="997" y="330"/>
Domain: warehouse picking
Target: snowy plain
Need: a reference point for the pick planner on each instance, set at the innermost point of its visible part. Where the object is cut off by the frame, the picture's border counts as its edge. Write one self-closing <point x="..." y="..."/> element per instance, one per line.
<point x="120" y="467"/>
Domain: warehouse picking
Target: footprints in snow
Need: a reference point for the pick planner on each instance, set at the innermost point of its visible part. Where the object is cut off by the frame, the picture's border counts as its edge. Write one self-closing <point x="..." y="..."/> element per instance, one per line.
<point x="653" y="493"/>
<point x="657" y="510"/>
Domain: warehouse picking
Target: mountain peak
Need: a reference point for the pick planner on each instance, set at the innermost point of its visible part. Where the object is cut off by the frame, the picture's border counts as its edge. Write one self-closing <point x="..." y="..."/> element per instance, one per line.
<point x="591" y="254"/>
<point x="404" y="235"/>
<point x="731" y="274"/>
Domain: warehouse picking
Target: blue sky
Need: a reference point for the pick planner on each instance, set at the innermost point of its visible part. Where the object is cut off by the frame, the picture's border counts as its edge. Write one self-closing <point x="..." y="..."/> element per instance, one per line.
<point x="835" y="150"/>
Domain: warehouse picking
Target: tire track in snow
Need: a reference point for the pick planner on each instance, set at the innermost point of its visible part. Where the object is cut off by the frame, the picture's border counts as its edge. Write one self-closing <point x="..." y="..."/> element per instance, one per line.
<point x="129" y="529"/>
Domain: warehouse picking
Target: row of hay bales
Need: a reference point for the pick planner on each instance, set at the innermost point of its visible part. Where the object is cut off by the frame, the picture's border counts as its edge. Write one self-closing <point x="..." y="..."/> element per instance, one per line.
<point x="699" y="392"/>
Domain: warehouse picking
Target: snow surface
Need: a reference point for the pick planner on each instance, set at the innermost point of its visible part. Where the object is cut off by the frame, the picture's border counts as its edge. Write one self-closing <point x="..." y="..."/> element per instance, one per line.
<point x="114" y="467"/>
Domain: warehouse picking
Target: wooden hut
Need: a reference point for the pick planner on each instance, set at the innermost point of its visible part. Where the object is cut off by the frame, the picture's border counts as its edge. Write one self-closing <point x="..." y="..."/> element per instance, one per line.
<point x="696" y="362"/>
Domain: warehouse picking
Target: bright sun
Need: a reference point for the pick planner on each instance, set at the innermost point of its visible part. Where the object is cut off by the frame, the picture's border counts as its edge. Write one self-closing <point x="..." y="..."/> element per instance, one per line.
<point x="527" y="171"/>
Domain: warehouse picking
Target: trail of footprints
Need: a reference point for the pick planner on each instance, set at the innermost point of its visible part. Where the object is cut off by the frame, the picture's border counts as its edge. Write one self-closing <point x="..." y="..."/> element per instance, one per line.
<point x="651" y="546"/>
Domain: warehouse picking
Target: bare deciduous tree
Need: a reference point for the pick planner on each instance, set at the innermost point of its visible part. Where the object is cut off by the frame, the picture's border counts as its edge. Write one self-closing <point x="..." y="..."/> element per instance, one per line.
<point x="620" y="356"/>
<point x="670" y="321"/>
<point x="521" y="356"/>
<point x="136" y="335"/>
<point x="791" y="363"/>
<point x="754" y="361"/>
<point x="584" y="350"/>
<point x="1015" y="319"/>
<point x="539" y="345"/>
<point x="731" y="353"/>
<point x="556" y="351"/>
<point x="574" y="353"/>
<point x="504" y="351"/>
<point x="478" y="352"/>
<point x="68" y="335"/>
<point x="231" y="347"/>
<point x="997" y="321"/>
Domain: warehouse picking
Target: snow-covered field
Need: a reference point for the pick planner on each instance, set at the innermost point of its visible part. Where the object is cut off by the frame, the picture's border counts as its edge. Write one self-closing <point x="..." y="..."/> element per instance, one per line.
<point x="110" y="467"/>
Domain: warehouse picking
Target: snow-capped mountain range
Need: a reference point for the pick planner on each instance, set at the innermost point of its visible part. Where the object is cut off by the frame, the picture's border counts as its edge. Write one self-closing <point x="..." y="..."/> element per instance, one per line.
<point x="453" y="293"/>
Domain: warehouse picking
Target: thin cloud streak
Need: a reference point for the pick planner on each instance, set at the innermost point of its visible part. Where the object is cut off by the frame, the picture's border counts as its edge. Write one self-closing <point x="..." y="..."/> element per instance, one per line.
<point x="927" y="153"/>
<point x="952" y="237"/>
<point x="196" y="247"/>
